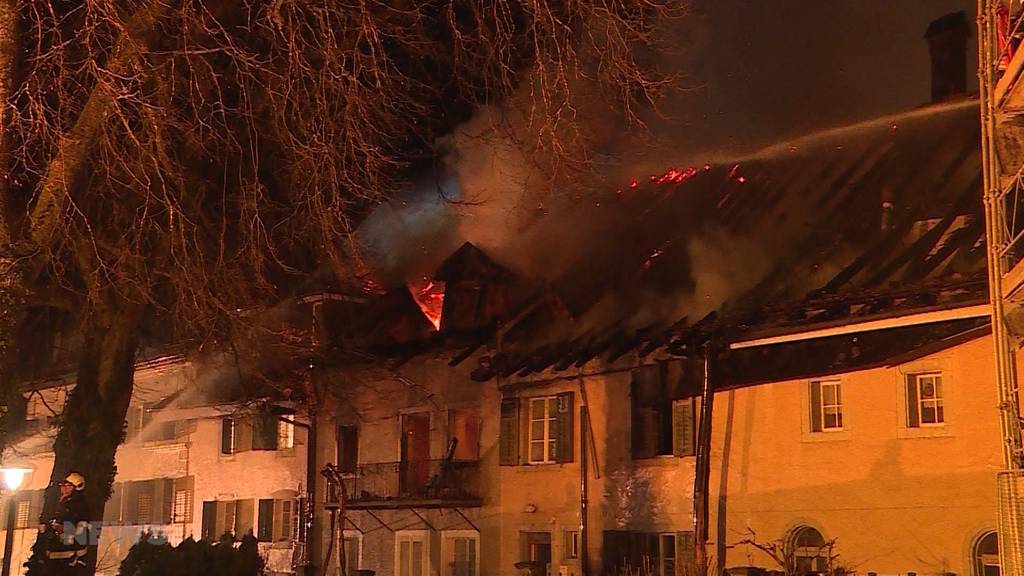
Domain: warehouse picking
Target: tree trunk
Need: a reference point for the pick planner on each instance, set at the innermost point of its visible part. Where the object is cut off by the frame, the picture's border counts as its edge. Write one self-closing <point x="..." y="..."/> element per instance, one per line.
<point x="92" y="424"/>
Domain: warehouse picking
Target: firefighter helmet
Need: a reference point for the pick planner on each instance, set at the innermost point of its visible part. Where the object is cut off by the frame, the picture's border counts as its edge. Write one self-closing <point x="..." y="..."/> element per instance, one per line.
<point x="75" y="479"/>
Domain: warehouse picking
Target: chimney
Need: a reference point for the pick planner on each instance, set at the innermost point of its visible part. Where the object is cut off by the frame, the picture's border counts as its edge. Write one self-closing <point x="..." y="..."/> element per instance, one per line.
<point x="947" y="44"/>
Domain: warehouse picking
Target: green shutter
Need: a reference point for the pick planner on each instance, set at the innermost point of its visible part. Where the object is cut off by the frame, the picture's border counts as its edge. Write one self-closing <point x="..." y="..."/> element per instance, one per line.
<point x="112" y="509"/>
<point x="509" y="442"/>
<point x="264" y="432"/>
<point x="913" y="418"/>
<point x="244" y="512"/>
<point x="564" y="442"/>
<point x="815" y="407"/>
<point x="265" y="521"/>
<point x="209" y="530"/>
<point x="683" y="428"/>
<point x="686" y="555"/>
<point x="243" y="434"/>
<point x="227" y="436"/>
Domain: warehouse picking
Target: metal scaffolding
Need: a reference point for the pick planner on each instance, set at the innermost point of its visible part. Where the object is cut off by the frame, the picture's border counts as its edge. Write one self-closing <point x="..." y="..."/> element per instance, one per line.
<point x="1002" y="148"/>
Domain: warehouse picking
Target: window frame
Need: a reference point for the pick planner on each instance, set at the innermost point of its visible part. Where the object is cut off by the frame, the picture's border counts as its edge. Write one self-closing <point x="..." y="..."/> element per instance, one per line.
<point x="663" y="557"/>
<point x="937" y="401"/>
<point x="816" y="390"/>
<point x="448" y="538"/>
<point x="570" y="544"/>
<point x="422" y="536"/>
<point x="550" y="434"/>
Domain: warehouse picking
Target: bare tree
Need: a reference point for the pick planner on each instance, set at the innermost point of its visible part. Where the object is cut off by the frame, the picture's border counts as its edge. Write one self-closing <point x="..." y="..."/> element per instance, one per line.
<point x="183" y="161"/>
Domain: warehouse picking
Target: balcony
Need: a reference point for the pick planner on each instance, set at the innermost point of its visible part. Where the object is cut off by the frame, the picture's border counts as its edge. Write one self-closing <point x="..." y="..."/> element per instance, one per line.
<point x="415" y="484"/>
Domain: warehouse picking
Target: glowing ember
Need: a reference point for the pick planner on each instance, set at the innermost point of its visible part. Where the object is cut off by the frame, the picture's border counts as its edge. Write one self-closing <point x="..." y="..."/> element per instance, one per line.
<point x="633" y="183"/>
<point x="741" y="179"/>
<point x="429" y="296"/>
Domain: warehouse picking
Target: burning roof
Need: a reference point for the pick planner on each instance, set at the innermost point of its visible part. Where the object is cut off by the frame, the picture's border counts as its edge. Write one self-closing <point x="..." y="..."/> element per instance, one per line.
<point x="879" y="218"/>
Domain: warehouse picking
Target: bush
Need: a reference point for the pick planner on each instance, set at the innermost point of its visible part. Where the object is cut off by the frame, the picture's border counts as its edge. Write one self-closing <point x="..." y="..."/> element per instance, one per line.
<point x="147" y="558"/>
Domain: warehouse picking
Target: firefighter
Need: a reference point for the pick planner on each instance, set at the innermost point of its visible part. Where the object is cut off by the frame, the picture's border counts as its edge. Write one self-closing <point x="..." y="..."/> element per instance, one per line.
<point x="67" y="530"/>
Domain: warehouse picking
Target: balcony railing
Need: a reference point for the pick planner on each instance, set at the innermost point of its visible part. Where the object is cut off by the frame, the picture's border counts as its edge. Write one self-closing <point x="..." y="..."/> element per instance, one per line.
<point x="421" y="483"/>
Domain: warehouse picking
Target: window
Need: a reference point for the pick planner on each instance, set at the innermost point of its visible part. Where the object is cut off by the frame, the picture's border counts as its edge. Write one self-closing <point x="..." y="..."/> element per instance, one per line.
<point x="145" y="501"/>
<point x="544" y="426"/>
<point x="227" y="436"/>
<point x="826" y="406"/>
<point x="411" y="553"/>
<point x="352" y="550"/>
<point x="28" y="507"/>
<point x="663" y="552"/>
<point x="662" y="419"/>
<point x="459" y="548"/>
<point x="285" y="435"/>
<point x="571" y="544"/>
<point x="543" y="430"/>
<point x="667" y="555"/>
<point x="986" y="555"/>
<point x="810" y="550"/>
<point x="464" y="428"/>
<point x="348" y="449"/>
<point x="218" y="519"/>
<point x="537" y="550"/>
<point x="276" y="520"/>
<point x="924" y="400"/>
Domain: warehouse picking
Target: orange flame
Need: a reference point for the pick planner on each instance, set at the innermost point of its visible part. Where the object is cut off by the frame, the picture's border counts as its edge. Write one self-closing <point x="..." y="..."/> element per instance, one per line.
<point x="429" y="296"/>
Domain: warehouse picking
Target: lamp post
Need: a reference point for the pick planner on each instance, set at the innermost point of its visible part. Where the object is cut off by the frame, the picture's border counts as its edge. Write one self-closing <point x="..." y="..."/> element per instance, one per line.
<point x="13" y="478"/>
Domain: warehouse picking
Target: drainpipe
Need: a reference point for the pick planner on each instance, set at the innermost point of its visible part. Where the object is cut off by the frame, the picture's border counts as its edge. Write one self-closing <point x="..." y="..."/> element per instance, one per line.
<point x="584" y="431"/>
<point x="312" y="526"/>
<point x="703" y="472"/>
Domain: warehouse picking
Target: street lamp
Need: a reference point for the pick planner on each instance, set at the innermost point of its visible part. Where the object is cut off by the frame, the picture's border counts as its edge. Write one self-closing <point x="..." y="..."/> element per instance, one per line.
<point x="13" y="478"/>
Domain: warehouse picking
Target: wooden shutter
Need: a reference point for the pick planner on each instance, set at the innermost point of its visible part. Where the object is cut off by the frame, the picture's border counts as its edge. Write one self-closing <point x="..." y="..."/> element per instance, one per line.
<point x="35" y="507"/>
<point x="264" y="431"/>
<point x="815" y="403"/>
<point x="209" y="530"/>
<point x="565" y="441"/>
<point x="131" y="502"/>
<point x="162" y="491"/>
<point x="112" y="509"/>
<point x="508" y="450"/>
<point x="265" y="521"/>
<point x="133" y="423"/>
<point x="184" y="484"/>
<point x="684" y="436"/>
<point x="227" y="435"/>
<point x="686" y="554"/>
<point x="244" y="512"/>
<point x="348" y="449"/>
<point x="182" y="429"/>
<point x="243" y="434"/>
<point x="913" y="417"/>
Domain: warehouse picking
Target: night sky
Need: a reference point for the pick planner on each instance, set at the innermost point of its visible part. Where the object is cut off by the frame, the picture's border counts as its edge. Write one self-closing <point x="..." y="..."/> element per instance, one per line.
<point x="769" y="70"/>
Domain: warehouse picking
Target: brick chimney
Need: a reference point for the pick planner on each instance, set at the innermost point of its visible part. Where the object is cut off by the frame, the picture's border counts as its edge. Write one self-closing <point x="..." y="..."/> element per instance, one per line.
<point x="947" y="43"/>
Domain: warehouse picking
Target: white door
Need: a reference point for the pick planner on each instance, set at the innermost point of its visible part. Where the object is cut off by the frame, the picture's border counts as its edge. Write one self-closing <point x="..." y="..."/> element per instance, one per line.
<point x="411" y="553"/>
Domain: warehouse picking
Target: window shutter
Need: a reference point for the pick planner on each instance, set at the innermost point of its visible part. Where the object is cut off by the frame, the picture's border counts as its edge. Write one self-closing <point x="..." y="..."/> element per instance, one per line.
<point x="913" y="418"/>
<point x="163" y="500"/>
<point x="348" y="449"/>
<point x="112" y="509"/>
<point x="244" y="512"/>
<point x="182" y="428"/>
<point x="133" y="423"/>
<point x="509" y="442"/>
<point x="684" y="438"/>
<point x="131" y="502"/>
<point x="265" y="521"/>
<point x="264" y="432"/>
<point x="564" y="442"/>
<point x="685" y="554"/>
<point x="227" y="435"/>
<point x="243" y="434"/>
<point x="35" y="507"/>
<point x="184" y="484"/>
<point x="209" y="530"/>
<point x="815" y="404"/>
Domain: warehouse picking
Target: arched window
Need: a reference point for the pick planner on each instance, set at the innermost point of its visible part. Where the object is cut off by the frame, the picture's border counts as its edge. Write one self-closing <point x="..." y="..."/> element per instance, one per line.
<point x="986" y="555"/>
<point x="810" y="550"/>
